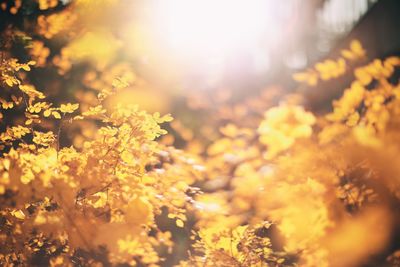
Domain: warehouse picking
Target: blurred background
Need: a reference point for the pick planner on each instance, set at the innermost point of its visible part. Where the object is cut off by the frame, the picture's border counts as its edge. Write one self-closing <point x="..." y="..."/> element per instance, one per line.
<point x="194" y="58"/>
<point x="207" y="62"/>
<point x="199" y="60"/>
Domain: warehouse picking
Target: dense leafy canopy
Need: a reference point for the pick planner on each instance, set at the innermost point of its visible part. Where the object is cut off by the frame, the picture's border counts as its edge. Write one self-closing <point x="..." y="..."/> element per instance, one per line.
<point x="87" y="179"/>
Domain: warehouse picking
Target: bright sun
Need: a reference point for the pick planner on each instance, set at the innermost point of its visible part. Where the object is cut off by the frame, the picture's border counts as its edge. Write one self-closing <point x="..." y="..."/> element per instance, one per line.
<point x="212" y="26"/>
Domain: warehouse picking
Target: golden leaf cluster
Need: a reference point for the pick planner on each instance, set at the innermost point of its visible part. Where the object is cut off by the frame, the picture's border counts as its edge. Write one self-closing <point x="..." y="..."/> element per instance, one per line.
<point x="264" y="181"/>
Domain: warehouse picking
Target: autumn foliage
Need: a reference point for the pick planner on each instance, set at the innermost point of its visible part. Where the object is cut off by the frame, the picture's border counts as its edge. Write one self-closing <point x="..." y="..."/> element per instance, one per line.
<point x="87" y="179"/>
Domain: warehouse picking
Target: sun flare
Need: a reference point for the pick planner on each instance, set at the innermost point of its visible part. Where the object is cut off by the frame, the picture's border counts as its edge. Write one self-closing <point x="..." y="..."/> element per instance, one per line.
<point x="208" y="26"/>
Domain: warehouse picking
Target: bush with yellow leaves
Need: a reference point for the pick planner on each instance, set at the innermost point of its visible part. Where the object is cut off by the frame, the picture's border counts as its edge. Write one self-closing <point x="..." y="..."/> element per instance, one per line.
<point x="98" y="204"/>
<point x="87" y="182"/>
<point x="305" y="189"/>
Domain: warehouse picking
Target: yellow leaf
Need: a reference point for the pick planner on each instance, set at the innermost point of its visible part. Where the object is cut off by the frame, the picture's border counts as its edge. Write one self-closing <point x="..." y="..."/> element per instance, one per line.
<point x="180" y="223"/>
<point x="56" y="114"/>
<point x="19" y="214"/>
<point x="310" y="77"/>
<point x="167" y="118"/>
<point x="47" y="113"/>
<point x="26" y="67"/>
<point x="127" y="157"/>
<point x="347" y="54"/>
<point x="101" y="201"/>
<point x="355" y="52"/>
<point x="9" y="82"/>
<point x="363" y="76"/>
<point x="7" y="105"/>
<point x="357" y="48"/>
<point x="68" y="108"/>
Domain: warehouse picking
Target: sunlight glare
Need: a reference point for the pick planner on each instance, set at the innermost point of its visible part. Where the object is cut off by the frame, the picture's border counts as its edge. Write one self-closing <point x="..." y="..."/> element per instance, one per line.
<point x="212" y="26"/>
